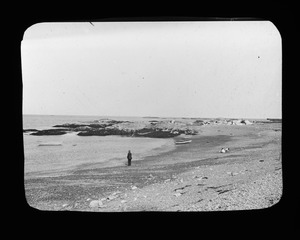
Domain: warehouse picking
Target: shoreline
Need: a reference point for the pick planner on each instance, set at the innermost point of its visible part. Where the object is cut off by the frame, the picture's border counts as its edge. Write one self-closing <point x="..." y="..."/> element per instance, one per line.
<point x="119" y="188"/>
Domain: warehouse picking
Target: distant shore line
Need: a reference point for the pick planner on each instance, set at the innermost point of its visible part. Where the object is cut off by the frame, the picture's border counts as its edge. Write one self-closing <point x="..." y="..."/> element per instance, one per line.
<point x="154" y="117"/>
<point x="152" y="128"/>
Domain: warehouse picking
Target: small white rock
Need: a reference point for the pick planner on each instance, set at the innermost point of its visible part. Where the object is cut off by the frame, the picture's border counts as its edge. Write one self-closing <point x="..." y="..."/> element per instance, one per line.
<point x="177" y="194"/>
<point x="94" y="203"/>
<point x="111" y="197"/>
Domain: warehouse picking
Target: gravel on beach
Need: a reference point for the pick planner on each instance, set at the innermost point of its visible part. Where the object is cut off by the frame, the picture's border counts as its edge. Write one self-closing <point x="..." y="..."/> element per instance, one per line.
<point x="195" y="177"/>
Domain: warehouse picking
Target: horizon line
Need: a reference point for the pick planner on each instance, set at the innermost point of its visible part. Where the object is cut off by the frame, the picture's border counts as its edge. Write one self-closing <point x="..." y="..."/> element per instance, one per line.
<point x="161" y="117"/>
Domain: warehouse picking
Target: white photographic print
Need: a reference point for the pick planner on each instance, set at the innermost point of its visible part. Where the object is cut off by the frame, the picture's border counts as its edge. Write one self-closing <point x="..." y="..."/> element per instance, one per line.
<point x="152" y="116"/>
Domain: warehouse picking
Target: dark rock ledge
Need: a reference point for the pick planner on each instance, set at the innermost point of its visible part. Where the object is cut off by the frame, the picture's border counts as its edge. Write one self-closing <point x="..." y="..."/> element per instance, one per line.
<point x="50" y="132"/>
<point x="113" y="127"/>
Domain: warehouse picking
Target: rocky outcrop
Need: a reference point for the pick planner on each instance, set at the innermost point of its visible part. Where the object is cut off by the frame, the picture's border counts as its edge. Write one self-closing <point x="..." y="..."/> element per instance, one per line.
<point x="222" y="122"/>
<point x="105" y="132"/>
<point x="50" y="132"/>
<point x="198" y="122"/>
<point x="152" y="128"/>
<point x="106" y="127"/>
<point x="145" y="132"/>
<point x="275" y="120"/>
<point x="155" y="133"/>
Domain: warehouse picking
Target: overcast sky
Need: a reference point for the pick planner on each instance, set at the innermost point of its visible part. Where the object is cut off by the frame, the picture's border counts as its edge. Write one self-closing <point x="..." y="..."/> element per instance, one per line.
<point x="166" y="69"/>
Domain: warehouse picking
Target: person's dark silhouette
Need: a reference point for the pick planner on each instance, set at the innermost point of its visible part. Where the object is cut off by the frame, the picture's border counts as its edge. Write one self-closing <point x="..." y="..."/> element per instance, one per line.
<point x="129" y="157"/>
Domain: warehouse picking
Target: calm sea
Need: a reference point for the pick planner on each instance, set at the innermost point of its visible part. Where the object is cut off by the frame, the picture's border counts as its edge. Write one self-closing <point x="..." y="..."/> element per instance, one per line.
<point x="77" y="151"/>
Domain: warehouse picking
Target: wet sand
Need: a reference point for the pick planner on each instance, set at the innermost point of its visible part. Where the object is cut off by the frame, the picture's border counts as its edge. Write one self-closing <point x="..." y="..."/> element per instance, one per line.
<point x="192" y="177"/>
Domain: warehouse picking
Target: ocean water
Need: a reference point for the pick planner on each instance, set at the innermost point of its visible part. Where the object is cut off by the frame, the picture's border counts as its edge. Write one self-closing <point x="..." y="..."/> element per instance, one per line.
<point x="77" y="151"/>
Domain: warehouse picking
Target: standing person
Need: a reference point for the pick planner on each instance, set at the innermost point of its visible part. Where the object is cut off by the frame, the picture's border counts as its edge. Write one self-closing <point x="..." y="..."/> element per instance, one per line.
<point x="129" y="157"/>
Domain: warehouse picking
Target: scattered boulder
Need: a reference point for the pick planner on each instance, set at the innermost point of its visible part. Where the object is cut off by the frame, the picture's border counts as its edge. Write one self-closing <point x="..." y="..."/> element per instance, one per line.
<point x="113" y="195"/>
<point x="177" y="194"/>
<point x="247" y="122"/>
<point x="224" y="150"/>
<point x="198" y="122"/>
<point x="240" y="122"/>
<point x="96" y="203"/>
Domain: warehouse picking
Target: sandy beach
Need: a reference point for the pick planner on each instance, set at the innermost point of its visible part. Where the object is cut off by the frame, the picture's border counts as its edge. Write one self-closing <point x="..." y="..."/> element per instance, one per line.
<point x="192" y="177"/>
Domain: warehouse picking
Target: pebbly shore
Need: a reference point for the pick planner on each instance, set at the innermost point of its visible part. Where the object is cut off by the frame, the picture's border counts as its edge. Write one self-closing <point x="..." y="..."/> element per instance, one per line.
<point x="194" y="177"/>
